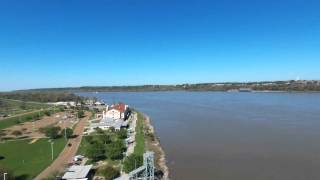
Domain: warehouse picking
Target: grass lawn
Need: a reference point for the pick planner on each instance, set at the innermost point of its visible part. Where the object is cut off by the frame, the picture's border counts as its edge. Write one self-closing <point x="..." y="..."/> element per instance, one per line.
<point x="7" y="122"/>
<point x="83" y="146"/>
<point x="28" y="160"/>
<point x="13" y="107"/>
<point x="140" y="146"/>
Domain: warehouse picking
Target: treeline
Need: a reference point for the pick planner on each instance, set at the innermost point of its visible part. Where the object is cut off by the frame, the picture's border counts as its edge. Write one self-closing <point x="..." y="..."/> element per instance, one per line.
<point x="299" y="86"/>
<point x="45" y="96"/>
<point x="302" y="85"/>
<point x="111" y="88"/>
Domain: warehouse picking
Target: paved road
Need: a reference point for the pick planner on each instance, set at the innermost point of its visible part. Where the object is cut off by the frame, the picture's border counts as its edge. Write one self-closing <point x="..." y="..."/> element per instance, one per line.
<point x="68" y="153"/>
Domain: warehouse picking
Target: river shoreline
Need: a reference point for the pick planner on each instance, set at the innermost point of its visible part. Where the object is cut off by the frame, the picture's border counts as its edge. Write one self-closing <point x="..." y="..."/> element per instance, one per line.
<point x="155" y="143"/>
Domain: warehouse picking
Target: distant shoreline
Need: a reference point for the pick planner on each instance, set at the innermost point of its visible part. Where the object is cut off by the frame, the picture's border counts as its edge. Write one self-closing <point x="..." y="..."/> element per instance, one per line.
<point x="286" y="86"/>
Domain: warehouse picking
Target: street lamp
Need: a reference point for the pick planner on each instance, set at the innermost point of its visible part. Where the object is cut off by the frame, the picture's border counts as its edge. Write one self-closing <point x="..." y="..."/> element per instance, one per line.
<point x="65" y="128"/>
<point x="51" y="142"/>
<point x="4" y="176"/>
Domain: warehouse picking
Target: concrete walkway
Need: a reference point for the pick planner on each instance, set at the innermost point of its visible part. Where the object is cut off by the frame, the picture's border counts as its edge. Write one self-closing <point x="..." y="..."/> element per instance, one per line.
<point x="130" y="148"/>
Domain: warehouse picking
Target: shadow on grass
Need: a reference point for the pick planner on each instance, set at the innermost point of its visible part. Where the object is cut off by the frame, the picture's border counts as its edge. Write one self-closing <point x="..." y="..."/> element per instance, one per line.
<point x="22" y="177"/>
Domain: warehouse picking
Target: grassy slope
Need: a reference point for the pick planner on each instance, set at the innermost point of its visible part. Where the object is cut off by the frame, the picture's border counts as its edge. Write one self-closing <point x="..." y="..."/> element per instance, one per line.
<point x="13" y="107"/>
<point x="29" y="159"/>
<point x="140" y="146"/>
<point x="7" y="122"/>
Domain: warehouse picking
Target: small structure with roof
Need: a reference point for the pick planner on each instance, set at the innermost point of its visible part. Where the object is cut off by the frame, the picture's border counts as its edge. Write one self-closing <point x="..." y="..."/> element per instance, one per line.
<point x="108" y="123"/>
<point x="77" y="173"/>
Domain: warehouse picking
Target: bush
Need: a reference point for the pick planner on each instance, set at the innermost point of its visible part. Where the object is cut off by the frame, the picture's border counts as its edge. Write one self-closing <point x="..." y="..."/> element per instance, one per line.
<point x="109" y="173"/>
<point x="47" y="113"/>
<point x="114" y="153"/>
<point x="29" y="118"/>
<point x="131" y="162"/>
<point x="37" y="117"/>
<point x="81" y="114"/>
<point x="16" y="133"/>
<point x="122" y="134"/>
<point x="69" y="132"/>
<point x="89" y="139"/>
<point x="104" y="138"/>
<point x="96" y="151"/>
<point x="52" y="132"/>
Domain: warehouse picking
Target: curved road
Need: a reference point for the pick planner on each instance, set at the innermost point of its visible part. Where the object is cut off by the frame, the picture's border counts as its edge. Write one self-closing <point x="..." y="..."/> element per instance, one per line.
<point x="66" y="156"/>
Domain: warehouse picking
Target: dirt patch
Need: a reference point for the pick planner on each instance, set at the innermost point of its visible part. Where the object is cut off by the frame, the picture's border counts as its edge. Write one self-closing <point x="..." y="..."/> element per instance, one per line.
<point x="31" y="128"/>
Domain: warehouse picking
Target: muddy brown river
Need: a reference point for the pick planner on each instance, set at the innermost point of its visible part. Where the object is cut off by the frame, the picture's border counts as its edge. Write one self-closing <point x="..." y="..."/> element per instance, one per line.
<point x="233" y="136"/>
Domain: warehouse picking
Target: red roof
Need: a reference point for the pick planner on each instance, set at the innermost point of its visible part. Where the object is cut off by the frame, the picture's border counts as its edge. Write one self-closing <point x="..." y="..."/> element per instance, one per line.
<point x="120" y="107"/>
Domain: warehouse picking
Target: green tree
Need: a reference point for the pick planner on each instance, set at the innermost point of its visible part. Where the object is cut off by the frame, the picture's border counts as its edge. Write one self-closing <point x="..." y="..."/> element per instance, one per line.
<point x="89" y="139"/>
<point x="114" y="153"/>
<point x="52" y="132"/>
<point x="131" y="162"/>
<point x="96" y="151"/>
<point x="69" y="132"/>
<point x="104" y="138"/>
<point x="81" y="114"/>
<point x="122" y="134"/>
<point x="108" y="172"/>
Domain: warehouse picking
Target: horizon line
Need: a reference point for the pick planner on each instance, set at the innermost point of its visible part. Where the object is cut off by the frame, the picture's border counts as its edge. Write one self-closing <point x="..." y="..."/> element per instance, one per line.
<point x="137" y="85"/>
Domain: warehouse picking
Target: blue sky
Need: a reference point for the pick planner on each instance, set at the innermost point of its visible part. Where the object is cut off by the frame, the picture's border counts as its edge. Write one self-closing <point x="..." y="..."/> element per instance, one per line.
<point x="58" y="43"/>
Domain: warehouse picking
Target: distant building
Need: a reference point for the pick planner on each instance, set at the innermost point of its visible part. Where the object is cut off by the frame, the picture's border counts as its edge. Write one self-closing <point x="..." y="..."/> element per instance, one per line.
<point x="245" y="90"/>
<point x="67" y="103"/>
<point x="98" y="103"/>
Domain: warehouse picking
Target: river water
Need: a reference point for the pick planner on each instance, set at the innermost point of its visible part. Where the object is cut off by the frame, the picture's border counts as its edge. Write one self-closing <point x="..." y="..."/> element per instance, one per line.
<point x="233" y="136"/>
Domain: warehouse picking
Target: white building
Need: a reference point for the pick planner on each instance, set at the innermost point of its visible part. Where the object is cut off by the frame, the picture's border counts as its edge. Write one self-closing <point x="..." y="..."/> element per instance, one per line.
<point x="117" y="111"/>
<point x="108" y="123"/>
<point x="77" y="173"/>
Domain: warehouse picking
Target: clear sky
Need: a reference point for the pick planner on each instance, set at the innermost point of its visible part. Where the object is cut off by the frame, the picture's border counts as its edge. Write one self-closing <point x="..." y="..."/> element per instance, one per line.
<point x="58" y="43"/>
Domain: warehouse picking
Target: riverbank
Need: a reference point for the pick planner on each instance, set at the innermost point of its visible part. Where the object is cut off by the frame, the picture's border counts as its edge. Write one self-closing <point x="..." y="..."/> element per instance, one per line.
<point x="153" y="143"/>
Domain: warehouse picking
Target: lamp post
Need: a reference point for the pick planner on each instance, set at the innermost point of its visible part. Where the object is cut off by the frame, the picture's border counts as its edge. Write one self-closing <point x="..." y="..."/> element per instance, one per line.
<point x="65" y="128"/>
<point x="51" y="142"/>
<point x="4" y="176"/>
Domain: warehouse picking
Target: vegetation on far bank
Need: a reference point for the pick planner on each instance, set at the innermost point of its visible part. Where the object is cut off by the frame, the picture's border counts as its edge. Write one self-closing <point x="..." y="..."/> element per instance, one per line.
<point x="290" y="85"/>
